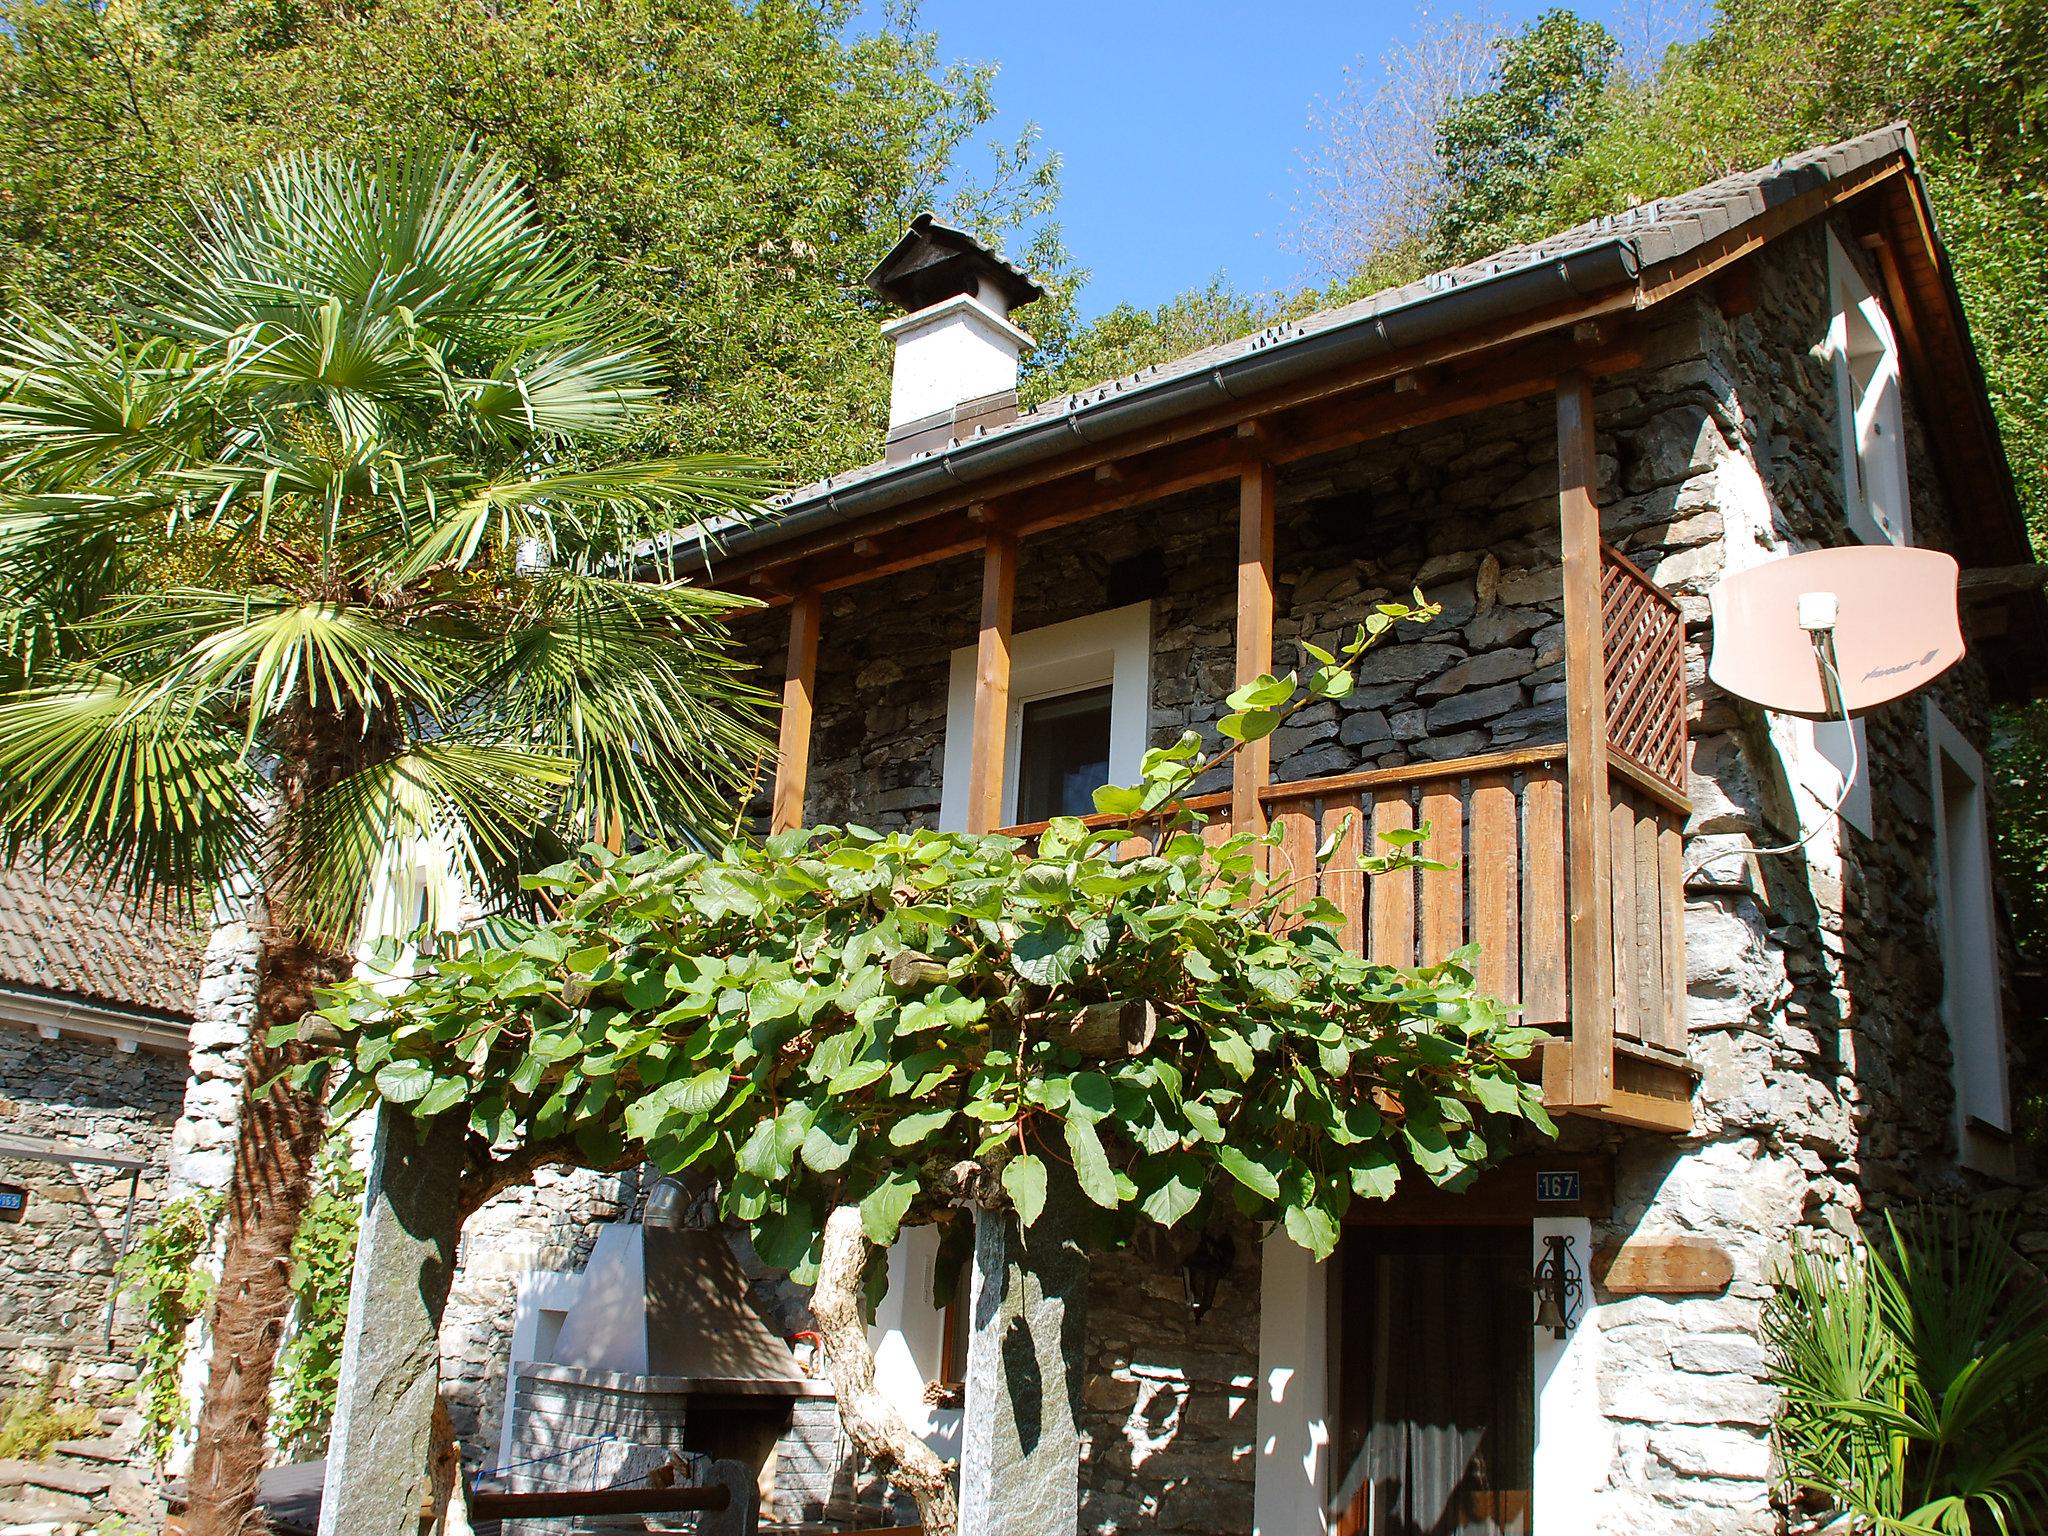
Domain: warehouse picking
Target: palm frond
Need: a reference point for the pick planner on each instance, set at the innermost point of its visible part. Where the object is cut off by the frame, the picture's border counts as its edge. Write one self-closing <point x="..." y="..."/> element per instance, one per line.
<point x="637" y="684"/>
<point x="97" y="775"/>
<point x="272" y="651"/>
<point x="590" y="515"/>
<point x="483" y="803"/>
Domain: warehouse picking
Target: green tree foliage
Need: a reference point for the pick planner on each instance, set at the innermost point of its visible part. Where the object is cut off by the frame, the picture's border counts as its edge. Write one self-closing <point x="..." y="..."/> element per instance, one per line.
<point x="1914" y="1370"/>
<point x="167" y="1273"/>
<point x="915" y="1021"/>
<point x="729" y="170"/>
<point x="323" y="1259"/>
<point x="1500" y="148"/>
<point x="1128" y="338"/>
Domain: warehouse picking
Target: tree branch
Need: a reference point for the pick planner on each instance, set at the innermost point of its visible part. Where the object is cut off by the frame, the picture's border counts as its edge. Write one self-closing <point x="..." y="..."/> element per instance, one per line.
<point x="871" y="1420"/>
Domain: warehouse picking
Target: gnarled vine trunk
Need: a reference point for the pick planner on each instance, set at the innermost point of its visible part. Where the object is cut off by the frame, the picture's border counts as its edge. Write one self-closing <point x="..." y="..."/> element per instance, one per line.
<point x="276" y="1145"/>
<point x="871" y="1420"/>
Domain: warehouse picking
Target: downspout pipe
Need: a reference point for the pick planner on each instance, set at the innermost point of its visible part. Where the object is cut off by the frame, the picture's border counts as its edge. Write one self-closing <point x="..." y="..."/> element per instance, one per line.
<point x="1431" y="317"/>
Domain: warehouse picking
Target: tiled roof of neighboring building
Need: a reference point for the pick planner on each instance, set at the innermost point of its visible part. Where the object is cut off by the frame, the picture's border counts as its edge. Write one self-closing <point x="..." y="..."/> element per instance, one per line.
<point x="60" y="936"/>
<point x="1639" y="238"/>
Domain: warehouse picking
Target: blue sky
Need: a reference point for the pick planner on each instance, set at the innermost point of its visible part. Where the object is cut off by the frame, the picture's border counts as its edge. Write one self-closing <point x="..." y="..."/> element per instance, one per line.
<point x="1180" y="122"/>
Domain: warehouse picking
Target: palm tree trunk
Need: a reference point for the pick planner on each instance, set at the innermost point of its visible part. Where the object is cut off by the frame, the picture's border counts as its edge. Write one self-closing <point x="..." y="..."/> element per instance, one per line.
<point x="275" y="1149"/>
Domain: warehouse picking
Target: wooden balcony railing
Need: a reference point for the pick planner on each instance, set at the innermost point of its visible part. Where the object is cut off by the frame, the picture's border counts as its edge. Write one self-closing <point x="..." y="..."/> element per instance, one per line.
<point x="1498" y="821"/>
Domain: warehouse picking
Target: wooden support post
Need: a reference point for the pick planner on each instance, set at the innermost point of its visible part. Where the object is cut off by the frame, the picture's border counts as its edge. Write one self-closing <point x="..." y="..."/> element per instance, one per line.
<point x="1590" y="920"/>
<point x="1252" y="768"/>
<point x="799" y="686"/>
<point x="992" y="684"/>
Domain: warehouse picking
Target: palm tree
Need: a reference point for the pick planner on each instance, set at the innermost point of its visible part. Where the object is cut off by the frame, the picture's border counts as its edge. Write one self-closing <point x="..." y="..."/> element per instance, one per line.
<point x="317" y="569"/>
<point x="1914" y="1374"/>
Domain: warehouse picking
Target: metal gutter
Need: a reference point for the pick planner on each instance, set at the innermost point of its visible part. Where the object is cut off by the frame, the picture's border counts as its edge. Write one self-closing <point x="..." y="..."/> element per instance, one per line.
<point x="1580" y="273"/>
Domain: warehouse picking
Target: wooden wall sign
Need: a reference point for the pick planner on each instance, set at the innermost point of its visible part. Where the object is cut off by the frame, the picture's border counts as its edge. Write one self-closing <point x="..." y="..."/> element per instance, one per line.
<point x="13" y="1202"/>
<point x="1663" y="1266"/>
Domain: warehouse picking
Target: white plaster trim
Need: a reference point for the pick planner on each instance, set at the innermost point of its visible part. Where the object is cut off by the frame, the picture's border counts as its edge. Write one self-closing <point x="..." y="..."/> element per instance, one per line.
<point x="1574" y="1441"/>
<point x="908" y="1337"/>
<point x="1292" y="1479"/>
<point x="953" y="351"/>
<point x="1114" y="647"/>
<point x="53" y="1018"/>
<point x="1971" y="998"/>
<point x="541" y="1291"/>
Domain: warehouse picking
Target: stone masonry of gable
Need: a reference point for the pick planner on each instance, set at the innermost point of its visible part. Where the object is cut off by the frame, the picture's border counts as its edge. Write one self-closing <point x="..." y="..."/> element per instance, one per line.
<point x="1814" y="981"/>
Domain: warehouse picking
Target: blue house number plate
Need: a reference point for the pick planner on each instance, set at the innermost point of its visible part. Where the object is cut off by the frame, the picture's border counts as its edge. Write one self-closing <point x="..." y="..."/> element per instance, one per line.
<point x="1559" y="1187"/>
<point x="13" y="1202"/>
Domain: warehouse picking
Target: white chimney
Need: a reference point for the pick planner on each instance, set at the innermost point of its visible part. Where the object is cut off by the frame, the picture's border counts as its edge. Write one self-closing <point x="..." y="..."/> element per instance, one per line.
<point x="956" y="348"/>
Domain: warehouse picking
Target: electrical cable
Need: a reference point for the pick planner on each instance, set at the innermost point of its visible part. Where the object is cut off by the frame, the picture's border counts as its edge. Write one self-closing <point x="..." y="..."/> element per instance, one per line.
<point x="1822" y="653"/>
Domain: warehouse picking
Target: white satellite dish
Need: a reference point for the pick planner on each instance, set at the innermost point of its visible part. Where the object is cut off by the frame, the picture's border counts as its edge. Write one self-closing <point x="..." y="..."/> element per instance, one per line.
<point x="1836" y="632"/>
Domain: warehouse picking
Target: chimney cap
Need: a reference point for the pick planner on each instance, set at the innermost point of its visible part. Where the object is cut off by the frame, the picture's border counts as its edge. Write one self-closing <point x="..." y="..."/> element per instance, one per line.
<point x="934" y="261"/>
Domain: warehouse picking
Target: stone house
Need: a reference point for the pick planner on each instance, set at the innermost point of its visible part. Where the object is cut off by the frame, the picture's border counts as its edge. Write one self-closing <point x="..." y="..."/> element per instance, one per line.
<point x="1567" y="445"/>
<point x="96" y="1004"/>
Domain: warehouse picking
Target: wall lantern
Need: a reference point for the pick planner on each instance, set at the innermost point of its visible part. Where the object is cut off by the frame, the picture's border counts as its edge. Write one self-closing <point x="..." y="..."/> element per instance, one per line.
<point x="1204" y="1270"/>
<point x="1559" y="1284"/>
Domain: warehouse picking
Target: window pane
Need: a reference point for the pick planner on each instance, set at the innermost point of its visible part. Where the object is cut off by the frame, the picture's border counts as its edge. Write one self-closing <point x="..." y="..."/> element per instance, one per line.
<point x="1062" y="754"/>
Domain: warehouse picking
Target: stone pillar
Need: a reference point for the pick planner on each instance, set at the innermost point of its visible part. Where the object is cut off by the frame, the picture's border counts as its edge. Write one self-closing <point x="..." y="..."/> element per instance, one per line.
<point x="1020" y="1448"/>
<point x="217" y="1046"/>
<point x="382" y="1442"/>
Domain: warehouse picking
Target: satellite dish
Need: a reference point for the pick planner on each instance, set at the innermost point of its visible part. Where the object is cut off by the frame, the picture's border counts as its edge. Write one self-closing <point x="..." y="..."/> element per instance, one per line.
<point x="1880" y="617"/>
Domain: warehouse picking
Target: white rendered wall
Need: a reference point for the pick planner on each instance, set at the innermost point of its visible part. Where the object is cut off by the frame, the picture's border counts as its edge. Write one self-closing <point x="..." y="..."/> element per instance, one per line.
<point x="1574" y="1444"/>
<point x="1290" y="1495"/>
<point x="909" y="1340"/>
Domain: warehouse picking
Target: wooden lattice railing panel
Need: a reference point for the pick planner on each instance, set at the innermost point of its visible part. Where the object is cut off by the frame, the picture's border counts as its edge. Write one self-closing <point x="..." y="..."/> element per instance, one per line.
<point x="1643" y="642"/>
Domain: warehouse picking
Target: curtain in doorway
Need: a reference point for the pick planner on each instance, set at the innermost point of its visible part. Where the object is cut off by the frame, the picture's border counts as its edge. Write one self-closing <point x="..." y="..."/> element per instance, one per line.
<point x="1436" y="1433"/>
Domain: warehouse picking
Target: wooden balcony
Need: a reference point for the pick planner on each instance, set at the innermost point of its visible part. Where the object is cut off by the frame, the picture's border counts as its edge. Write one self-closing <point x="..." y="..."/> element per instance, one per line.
<point x="1565" y="860"/>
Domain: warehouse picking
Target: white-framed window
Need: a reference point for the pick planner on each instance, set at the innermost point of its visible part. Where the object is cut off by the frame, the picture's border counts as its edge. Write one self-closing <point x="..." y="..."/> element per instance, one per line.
<point x="1970" y="994"/>
<point x="1868" y="406"/>
<point x="1080" y="701"/>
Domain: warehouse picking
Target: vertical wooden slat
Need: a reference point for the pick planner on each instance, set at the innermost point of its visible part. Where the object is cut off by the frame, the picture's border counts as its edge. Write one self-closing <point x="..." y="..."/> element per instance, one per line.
<point x="1545" y="996"/>
<point x="1621" y="881"/>
<point x="1343" y="880"/>
<point x="793" y="739"/>
<point x="1391" y="901"/>
<point x="1443" y="890"/>
<point x="1588" y="889"/>
<point x="1252" y="768"/>
<point x="1296" y="857"/>
<point x="1671" y="886"/>
<point x="1495" y="880"/>
<point x="992" y="684"/>
<point x="1649" y="934"/>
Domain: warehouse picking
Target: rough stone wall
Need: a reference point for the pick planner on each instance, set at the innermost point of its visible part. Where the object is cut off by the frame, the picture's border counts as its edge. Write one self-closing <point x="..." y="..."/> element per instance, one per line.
<point x="550" y="1224"/>
<point x="223" y="1021"/>
<point x="1467" y="511"/>
<point x="1169" y="1403"/>
<point x="57" y="1265"/>
<point x="1814" y="979"/>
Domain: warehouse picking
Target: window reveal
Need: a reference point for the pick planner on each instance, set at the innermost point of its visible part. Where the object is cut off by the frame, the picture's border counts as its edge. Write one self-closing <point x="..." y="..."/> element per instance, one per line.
<point x="1062" y="754"/>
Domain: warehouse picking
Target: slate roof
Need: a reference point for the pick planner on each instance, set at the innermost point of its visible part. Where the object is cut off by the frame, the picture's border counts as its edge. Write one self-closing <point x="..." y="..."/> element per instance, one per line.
<point x="1642" y="237"/>
<point x="60" y="937"/>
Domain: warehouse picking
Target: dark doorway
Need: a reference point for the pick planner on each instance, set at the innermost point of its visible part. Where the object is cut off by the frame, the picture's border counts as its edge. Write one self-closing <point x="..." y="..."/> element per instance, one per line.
<point x="1435" y="1381"/>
